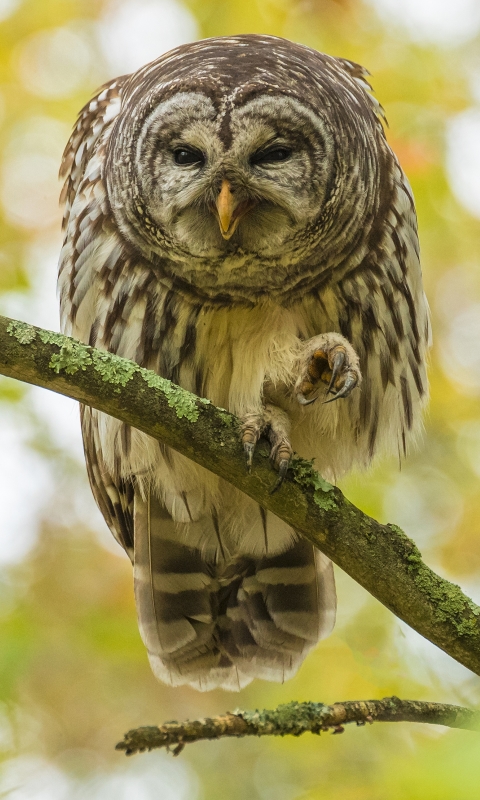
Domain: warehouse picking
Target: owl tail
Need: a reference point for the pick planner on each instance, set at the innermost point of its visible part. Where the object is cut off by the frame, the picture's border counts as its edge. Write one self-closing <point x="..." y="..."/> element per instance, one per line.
<point x="221" y="621"/>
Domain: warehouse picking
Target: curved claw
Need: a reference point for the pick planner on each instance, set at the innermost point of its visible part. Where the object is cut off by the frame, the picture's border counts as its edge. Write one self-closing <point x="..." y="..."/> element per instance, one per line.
<point x="350" y="383"/>
<point x="249" y="449"/>
<point x="303" y="400"/>
<point x="338" y="362"/>
<point x="282" y="471"/>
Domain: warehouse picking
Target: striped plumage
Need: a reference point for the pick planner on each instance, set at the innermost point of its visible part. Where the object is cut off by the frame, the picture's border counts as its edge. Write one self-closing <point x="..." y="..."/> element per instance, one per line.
<point x="321" y="255"/>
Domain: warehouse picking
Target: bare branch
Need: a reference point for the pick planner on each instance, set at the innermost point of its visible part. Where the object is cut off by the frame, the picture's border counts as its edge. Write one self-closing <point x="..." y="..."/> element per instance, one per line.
<point x="379" y="557"/>
<point x="294" y="719"/>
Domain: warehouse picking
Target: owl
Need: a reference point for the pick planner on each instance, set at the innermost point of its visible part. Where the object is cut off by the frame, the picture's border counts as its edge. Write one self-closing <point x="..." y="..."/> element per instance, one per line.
<point x="236" y="221"/>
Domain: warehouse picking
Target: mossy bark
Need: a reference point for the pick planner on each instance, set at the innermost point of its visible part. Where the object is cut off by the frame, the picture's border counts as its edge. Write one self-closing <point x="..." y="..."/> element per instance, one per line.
<point x="294" y="719"/>
<point x="380" y="557"/>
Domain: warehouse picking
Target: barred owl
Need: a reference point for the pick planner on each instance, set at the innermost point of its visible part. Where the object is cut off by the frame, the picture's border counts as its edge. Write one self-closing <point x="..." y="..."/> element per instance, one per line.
<point x="236" y="221"/>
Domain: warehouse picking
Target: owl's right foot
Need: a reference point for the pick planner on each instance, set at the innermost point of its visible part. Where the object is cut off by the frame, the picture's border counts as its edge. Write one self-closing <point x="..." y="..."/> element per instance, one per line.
<point x="274" y="423"/>
<point x="328" y="359"/>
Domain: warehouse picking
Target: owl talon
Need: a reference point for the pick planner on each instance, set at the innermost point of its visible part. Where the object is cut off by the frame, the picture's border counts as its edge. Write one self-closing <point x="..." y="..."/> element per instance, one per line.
<point x="303" y="400"/>
<point x="252" y="428"/>
<point x="338" y="362"/>
<point x="275" y="425"/>
<point x="280" y="454"/>
<point x="347" y="388"/>
<point x="249" y="449"/>
<point x="329" y="359"/>
<point x="282" y="471"/>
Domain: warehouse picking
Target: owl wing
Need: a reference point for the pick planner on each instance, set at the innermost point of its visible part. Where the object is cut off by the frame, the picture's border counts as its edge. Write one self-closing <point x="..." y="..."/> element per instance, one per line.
<point x="80" y="172"/>
<point x="93" y="121"/>
<point x="92" y="250"/>
<point x="114" y="497"/>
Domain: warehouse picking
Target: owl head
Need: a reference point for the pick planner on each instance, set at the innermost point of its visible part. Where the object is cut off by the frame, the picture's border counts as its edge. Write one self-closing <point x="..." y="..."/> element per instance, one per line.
<point x="245" y="161"/>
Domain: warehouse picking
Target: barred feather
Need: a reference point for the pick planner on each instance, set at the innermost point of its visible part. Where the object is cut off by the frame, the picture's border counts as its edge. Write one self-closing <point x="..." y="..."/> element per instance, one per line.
<point x="209" y="617"/>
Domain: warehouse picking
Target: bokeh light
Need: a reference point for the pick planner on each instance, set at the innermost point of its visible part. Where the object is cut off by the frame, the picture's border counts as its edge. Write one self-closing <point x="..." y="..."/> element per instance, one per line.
<point x="439" y="21"/>
<point x="134" y="32"/>
<point x="463" y="158"/>
<point x="54" y="63"/>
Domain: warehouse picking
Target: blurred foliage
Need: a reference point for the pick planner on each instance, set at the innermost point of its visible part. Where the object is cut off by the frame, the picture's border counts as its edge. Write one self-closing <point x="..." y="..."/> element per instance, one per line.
<point x="73" y="671"/>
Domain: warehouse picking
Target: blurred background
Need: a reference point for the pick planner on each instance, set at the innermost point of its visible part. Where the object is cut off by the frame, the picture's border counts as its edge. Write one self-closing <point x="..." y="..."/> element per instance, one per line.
<point x="73" y="672"/>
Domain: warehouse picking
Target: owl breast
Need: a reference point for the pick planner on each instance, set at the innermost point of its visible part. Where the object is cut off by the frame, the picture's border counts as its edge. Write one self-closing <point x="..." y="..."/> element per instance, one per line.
<point x="239" y="350"/>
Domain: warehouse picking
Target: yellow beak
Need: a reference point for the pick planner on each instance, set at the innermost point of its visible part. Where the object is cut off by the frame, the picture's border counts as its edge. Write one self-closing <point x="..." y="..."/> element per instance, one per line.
<point x="225" y="208"/>
<point x="229" y="214"/>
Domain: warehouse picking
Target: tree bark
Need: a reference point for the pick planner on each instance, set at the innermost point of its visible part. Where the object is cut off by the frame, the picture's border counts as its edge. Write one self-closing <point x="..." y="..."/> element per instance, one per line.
<point x="379" y="557"/>
<point x="295" y="719"/>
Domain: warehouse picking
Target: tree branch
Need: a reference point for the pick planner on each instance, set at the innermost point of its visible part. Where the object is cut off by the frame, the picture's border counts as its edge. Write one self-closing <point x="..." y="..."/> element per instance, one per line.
<point x="379" y="557"/>
<point x="295" y="719"/>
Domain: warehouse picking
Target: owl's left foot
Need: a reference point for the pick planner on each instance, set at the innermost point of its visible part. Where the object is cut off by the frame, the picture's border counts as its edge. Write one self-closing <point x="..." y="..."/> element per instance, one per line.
<point x="274" y="423"/>
<point x="328" y="359"/>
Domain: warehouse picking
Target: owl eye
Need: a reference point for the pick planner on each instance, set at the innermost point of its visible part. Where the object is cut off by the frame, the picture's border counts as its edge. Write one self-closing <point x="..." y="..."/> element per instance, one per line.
<point x="188" y="155"/>
<point x="271" y="156"/>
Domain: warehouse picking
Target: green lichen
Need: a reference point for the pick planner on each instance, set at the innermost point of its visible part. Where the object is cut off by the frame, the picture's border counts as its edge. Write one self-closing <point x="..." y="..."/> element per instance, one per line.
<point x="292" y="718"/>
<point x="396" y="529"/>
<point x="448" y="602"/>
<point x="183" y="402"/>
<point x="72" y="357"/>
<point x="113" y="369"/>
<point x="305" y="475"/>
<point x="410" y="552"/>
<point x="75" y="356"/>
<point x="22" y="331"/>
<point x="50" y="337"/>
<point x="227" y="418"/>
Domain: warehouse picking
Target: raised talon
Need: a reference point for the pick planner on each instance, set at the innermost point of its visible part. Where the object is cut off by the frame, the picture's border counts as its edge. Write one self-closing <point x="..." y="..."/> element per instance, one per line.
<point x="338" y="362"/>
<point x="327" y="359"/>
<point x="350" y="383"/>
<point x="303" y="400"/>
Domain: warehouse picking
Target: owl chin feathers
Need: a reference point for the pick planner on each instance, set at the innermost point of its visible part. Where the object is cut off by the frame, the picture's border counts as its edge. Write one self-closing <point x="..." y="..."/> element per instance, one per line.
<point x="263" y="231"/>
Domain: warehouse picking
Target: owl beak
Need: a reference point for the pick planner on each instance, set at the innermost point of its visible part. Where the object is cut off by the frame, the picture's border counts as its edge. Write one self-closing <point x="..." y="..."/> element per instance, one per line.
<point x="228" y="212"/>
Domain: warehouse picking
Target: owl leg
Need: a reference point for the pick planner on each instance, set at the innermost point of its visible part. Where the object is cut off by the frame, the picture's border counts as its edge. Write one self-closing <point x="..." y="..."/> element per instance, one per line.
<point x="275" y="424"/>
<point x="328" y="359"/>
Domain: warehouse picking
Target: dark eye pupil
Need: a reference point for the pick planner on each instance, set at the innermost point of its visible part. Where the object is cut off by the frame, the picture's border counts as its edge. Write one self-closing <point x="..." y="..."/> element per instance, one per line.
<point x="271" y="156"/>
<point x="280" y="154"/>
<point x="184" y="156"/>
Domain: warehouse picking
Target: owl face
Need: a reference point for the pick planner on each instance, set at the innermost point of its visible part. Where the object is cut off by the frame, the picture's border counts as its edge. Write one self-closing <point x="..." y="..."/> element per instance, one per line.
<point x="244" y="165"/>
<point x="211" y="191"/>
<point x="253" y="191"/>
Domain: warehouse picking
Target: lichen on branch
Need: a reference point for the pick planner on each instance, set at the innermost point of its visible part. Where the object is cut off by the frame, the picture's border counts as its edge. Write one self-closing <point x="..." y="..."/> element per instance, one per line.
<point x="294" y="719"/>
<point x="379" y="557"/>
<point x="74" y="356"/>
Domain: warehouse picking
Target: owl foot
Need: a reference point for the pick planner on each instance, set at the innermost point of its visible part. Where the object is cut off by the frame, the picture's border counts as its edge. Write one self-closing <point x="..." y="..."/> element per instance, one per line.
<point x="331" y="360"/>
<point x="274" y="423"/>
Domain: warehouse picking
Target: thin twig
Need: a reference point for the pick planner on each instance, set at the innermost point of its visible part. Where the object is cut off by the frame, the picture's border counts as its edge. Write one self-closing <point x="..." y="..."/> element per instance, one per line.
<point x="294" y="719"/>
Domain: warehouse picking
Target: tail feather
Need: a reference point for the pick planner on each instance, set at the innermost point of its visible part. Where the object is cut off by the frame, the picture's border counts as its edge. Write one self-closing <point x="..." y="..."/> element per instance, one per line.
<point x="172" y="585"/>
<point x="210" y="619"/>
